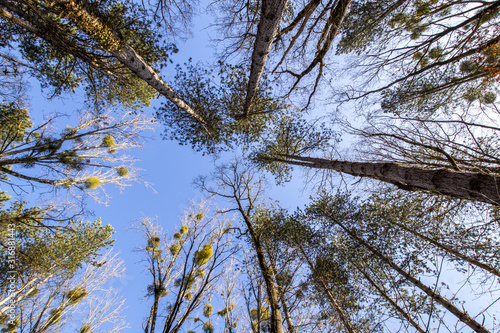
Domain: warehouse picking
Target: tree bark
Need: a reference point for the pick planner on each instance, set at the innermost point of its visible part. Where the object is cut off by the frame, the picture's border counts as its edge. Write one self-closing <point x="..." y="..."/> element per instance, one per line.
<point x="461" y="315"/>
<point x="464" y="185"/>
<point x="123" y="52"/>
<point x="270" y="17"/>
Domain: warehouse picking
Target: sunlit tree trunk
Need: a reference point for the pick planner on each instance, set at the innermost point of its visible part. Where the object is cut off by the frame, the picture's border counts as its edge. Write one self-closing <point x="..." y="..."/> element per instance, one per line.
<point x="465" y="185"/>
<point x="108" y="40"/>
<point x="270" y="17"/>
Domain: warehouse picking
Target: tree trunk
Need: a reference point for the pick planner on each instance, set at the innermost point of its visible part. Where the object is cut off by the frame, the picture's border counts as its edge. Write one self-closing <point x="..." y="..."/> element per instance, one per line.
<point x="117" y="48"/>
<point x="286" y="310"/>
<point x="267" y="275"/>
<point x="270" y="17"/>
<point x="461" y="315"/>
<point x="464" y="185"/>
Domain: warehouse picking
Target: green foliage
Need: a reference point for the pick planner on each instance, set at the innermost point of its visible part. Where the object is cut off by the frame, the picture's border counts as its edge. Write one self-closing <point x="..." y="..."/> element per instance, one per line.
<point x="85" y="329"/>
<point x="208" y="327"/>
<point x="75" y="296"/>
<point x="184" y="230"/>
<point x="175" y="249"/>
<point x="291" y="136"/>
<point x="55" y="317"/>
<point x="122" y="171"/>
<point x="154" y="242"/>
<point x="92" y="183"/>
<point x="177" y="235"/>
<point x="468" y="66"/>
<point x="219" y="100"/>
<point x="203" y="256"/>
<point x="199" y="217"/>
<point x="472" y="94"/>
<point x="108" y="141"/>
<point x="489" y="97"/>
<point x="14" y="123"/>
<point x="81" y="57"/>
<point x="208" y="310"/>
<point x="64" y="247"/>
<point x="436" y="53"/>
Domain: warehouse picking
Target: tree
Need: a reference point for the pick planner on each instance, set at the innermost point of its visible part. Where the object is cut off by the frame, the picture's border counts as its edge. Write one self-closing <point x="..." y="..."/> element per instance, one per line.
<point x="252" y="26"/>
<point x="220" y="100"/>
<point x="84" y="156"/>
<point x="83" y="301"/>
<point x="185" y="267"/>
<point x="288" y="144"/>
<point x="48" y="268"/>
<point x="446" y="51"/>
<point x="466" y="185"/>
<point x="244" y="189"/>
<point x="374" y="235"/>
<point x="120" y="46"/>
<point x="271" y="13"/>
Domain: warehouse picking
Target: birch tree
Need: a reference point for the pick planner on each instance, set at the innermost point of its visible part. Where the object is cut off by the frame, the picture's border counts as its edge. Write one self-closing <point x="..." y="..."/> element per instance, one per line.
<point x="244" y="189"/>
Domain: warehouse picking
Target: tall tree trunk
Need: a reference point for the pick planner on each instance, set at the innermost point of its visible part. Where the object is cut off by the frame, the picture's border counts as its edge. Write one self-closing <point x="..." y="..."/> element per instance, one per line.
<point x="461" y="315"/>
<point x="395" y="305"/>
<point x="270" y="17"/>
<point x="267" y="274"/>
<point x="342" y="314"/>
<point x="464" y="185"/>
<point x="117" y="48"/>
<point x="286" y="310"/>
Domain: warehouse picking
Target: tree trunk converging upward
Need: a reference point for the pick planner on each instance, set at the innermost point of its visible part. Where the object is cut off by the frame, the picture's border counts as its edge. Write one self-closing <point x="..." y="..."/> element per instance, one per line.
<point x="461" y="315"/>
<point x="110" y="42"/>
<point x="270" y="17"/>
<point x="267" y="275"/>
<point x="450" y="250"/>
<point x="464" y="185"/>
<point x="136" y="64"/>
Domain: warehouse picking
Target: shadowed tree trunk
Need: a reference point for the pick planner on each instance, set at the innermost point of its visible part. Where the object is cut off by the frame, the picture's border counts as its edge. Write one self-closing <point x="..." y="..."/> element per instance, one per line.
<point x="464" y="185"/>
